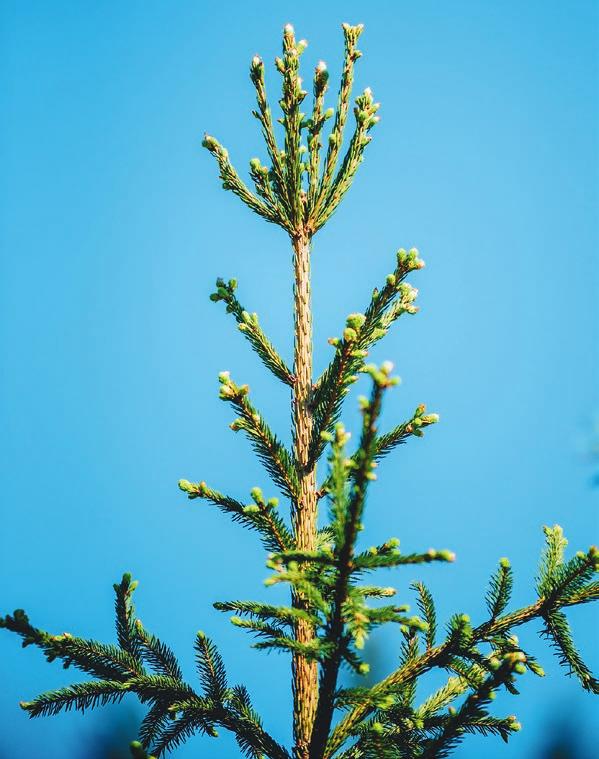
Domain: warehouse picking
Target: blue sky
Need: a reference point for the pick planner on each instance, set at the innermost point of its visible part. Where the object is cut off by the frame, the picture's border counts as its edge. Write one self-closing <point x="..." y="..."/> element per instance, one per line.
<point x="113" y="228"/>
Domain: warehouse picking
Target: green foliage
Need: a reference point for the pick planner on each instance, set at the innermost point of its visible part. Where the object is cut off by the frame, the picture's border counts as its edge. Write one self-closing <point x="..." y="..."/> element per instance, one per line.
<point x="249" y="326"/>
<point x="299" y="191"/>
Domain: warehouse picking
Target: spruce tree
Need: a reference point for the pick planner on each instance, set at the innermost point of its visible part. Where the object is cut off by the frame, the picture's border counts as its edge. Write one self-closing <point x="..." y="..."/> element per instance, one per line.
<point x="332" y="609"/>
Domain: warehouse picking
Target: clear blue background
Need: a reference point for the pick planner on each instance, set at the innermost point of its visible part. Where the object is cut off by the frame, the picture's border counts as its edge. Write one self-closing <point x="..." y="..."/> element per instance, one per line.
<point x="113" y="229"/>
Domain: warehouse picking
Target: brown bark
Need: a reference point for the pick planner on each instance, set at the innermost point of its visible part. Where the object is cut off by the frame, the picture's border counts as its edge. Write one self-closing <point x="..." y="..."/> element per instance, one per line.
<point x="304" y="672"/>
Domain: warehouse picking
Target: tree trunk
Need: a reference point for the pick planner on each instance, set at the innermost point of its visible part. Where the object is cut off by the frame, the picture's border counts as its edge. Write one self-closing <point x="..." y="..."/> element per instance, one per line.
<point x="305" y="673"/>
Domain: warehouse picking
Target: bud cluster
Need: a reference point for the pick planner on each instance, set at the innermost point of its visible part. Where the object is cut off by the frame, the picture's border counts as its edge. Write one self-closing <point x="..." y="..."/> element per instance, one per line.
<point x="260" y="505"/>
<point x="194" y="489"/>
<point x="225" y="292"/>
<point x="381" y="374"/>
<point x="420" y="420"/>
<point x="229" y="391"/>
<point x="365" y="112"/>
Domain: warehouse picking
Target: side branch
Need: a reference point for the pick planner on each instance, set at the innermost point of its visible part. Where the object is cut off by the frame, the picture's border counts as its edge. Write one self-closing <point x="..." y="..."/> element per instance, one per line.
<point x="231" y="181"/>
<point x="263" y="114"/>
<point x="249" y="326"/>
<point x="276" y="458"/>
<point x="346" y="525"/>
<point x="441" y="654"/>
<point x="385" y="443"/>
<point x="259" y="515"/>
<point x="351" y="34"/>
<point x="362" y="331"/>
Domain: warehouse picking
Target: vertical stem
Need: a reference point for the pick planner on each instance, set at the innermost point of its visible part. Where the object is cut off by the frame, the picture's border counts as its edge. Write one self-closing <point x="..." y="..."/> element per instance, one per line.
<point x="304" y="672"/>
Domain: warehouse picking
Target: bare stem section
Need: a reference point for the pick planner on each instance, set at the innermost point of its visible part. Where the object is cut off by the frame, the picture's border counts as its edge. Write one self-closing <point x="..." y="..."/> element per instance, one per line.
<point x="305" y="673"/>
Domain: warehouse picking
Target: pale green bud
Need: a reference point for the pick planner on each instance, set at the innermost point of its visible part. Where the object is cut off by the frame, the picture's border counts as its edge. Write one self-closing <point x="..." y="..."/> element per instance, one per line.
<point x="355" y="321"/>
<point x="210" y="142"/>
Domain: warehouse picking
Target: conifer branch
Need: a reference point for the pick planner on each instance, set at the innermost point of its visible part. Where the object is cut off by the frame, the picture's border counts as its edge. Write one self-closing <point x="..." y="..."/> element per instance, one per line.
<point x="155" y="721"/>
<point x="125" y="616"/>
<point x="259" y="515"/>
<point x="347" y="525"/>
<point x="414" y="427"/>
<point x="272" y="453"/>
<point x="500" y="589"/>
<point x="314" y="127"/>
<point x="361" y="332"/>
<point x="471" y="716"/>
<point x="385" y="443"/>
<point x="231" y="181"/>
<point x="557" y="629"/>
<point x="365" y="113"/>
<point x="156" y="654"/>
<point x="426" y="605"/>
<point x="292" y="96"/>
<point x="282" y="615"/>
<point x="176" y="712"/>
<point x="80" y="697"/>
<point x="249" y="326"/>
<point x="351" y="35"/>
<point x="488" y="631"/>
<point x="276" y="175"/>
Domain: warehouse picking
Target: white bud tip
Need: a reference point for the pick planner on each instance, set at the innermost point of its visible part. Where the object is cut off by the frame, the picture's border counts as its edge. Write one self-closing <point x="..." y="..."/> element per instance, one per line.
<point x="387" y="367"/>
<point x="288" y="29"/>
<point x="322" y="66"/>
<point x="256" y="60"/>
<point x="368" y="91"/>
